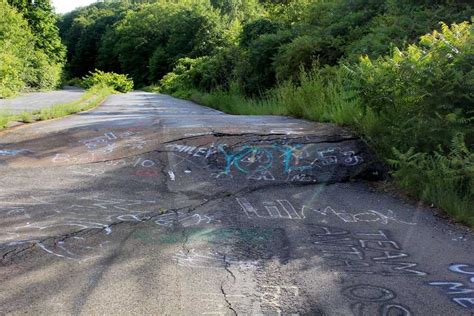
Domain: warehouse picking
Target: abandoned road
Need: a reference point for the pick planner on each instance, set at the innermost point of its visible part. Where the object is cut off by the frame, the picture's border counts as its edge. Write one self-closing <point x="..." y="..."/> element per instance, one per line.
<point x="35" y="101"/>
<point x="154" y="205"/>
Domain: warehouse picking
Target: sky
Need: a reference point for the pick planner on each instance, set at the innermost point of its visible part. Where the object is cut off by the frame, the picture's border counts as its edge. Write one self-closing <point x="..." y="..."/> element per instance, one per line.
<point x="63" y="6"/>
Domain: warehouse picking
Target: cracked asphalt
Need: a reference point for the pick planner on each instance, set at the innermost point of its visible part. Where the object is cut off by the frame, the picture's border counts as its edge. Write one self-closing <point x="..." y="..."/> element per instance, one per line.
<point x="153" y="205"/>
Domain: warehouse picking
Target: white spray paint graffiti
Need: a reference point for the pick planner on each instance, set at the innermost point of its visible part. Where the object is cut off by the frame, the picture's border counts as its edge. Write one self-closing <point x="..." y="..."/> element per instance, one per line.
<point x="273" y="209"/>
<point x="369" y="216"/>
<point x="184" y="219"/>
<point x="49" y="219"/>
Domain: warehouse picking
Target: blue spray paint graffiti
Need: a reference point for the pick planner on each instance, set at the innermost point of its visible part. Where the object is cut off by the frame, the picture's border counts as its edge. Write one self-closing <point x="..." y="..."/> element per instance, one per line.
<point x="458" y="292"/>
<point x="294" y="158"/>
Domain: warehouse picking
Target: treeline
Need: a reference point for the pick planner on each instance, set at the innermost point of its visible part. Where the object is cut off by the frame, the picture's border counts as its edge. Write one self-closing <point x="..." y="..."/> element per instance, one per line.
<point x="31" y="53"/>
<point x="387" y="68"/>
<point x="254" y="43"/>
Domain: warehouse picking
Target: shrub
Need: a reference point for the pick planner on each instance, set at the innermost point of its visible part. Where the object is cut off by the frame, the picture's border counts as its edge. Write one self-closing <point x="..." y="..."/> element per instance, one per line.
<point x="118" y="82"/>
<point x="255" y="71"/>
<point x="215" y="72"/>
<point x="422" y="95"/>
<point x="253" y="30"/>
<point x="180" y="78"/>
<point x="302" y="52"/>
<point x="45" y="75"/>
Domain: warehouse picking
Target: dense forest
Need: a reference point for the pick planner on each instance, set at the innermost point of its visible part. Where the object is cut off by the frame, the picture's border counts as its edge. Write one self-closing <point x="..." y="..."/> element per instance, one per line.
<point x="399" y="72"/>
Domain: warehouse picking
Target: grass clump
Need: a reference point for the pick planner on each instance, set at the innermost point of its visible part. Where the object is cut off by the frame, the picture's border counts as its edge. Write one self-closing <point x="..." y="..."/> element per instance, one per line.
<point x="26" y="117"/>
<point x="93" y="97"/>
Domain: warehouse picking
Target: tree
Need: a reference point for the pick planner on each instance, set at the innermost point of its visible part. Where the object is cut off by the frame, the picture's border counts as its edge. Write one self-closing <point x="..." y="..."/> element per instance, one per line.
<point x="16" y="46"/>
<point x="42" y="21"/>
<point x="83" y="30"/>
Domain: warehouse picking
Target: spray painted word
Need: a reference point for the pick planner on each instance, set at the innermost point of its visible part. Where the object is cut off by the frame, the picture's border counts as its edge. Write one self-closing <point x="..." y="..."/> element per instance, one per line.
<point x="364" y="253"/>
<point x="194" y="151"/>
<point x="293" y="158"/>
<point x="369" y="216"/>
<point x="184" y="219"/>
<point x="107" y="142"/>
<point x="271" y="209"/>
<point x="374" y="300"/>
<point x="458" y="292"/>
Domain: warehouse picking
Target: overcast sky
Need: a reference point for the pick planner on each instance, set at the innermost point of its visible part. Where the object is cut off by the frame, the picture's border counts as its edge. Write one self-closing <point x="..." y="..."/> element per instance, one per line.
<point x="63" y="6"/>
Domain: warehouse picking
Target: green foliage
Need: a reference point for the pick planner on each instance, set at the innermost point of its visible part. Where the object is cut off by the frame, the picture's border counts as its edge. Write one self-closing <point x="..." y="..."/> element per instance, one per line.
<point x="425" y="90"/>
<point x="118" y="82"/>
<point x="242" y="10"/>
<point x="162" y="35"/>
<point x="447" y="180"/>
<point x="253" y="30"/>
<point x="15" y="47"/>
<point x="255" y="71"/>
<point x="22" y="64"/>
<point x="215" y="72"/>
<point x="320" y="95"/>
<point x="235" y="103"/>
<point x="301" y="53"/>
<point x="180" y="79"/>
<point x="83" y="30"/>
<point x="42" y="21"/>
<point x="26" y="117"/>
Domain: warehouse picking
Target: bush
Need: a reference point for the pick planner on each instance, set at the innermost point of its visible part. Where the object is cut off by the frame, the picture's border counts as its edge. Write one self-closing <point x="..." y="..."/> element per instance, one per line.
<point x="302" y="52"/>
<point x="420" y="103"/>
<point x="180" y="78"/>
<point x="255" y="71"/>
<point x="253" y="30"/>
<point x="118" y="82"/>
<point x="215" y="72"/>
<point x="423" y="91"/>
<point x="46" y="75"/>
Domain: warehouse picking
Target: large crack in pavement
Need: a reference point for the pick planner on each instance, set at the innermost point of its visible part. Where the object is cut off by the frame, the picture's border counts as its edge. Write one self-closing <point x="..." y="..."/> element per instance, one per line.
<point x="30" y="245"/>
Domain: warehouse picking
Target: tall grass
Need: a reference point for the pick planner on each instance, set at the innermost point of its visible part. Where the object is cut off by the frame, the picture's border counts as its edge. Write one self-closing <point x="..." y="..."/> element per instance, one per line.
<point x="446" y="180"/>
<point x="234" y="102"/>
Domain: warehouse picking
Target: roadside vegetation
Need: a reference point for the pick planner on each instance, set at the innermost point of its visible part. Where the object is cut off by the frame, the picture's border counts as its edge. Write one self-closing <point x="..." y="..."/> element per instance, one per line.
<point x="32" y="56"/>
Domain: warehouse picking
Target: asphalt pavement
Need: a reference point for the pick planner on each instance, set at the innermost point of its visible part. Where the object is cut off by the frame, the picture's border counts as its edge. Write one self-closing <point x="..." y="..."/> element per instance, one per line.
<point x="35" y="101"/>
<point x="154" y="205"/>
